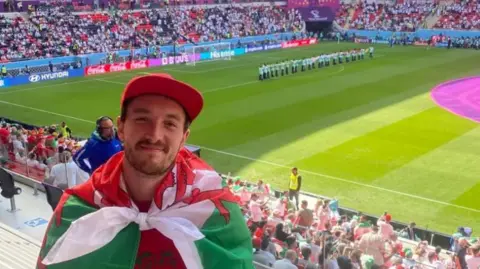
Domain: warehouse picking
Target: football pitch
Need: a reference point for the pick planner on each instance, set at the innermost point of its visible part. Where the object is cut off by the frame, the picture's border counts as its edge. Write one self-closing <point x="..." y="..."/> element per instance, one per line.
<point x="367" y="132"/>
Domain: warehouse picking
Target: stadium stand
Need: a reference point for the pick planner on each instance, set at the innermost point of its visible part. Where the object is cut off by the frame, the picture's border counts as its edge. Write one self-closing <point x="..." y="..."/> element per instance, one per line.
<point x="271" y="217"/>
<point x="58" y="32"/>
<point x="463" y="15"/>
<point x="390" y="17"/>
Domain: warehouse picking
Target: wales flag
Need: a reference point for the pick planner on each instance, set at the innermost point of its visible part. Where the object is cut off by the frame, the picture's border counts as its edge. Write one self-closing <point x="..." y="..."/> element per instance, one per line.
<point x="96" y="225"/>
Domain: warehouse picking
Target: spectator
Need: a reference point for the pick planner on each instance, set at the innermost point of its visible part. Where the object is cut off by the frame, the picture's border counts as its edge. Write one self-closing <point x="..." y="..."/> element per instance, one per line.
<point x="461" y="254"/>
<point x="156" y="112"/>
<point x="473" y="260"/>
<point x="386" y="230"/>
<point x="64" y="174"/>
<point x="304" y="216"/>
<point x="287" y="262"/>
<point x="410" y="230"/>
<point x="261" y="254"/>
<point x="372" y="244"/>
<point x="102" y="145"/>
<point x="362" y="228"/>
<point x="291" y="245"/>
<point x="279" y="233"/>
<point x="305" y="260"/>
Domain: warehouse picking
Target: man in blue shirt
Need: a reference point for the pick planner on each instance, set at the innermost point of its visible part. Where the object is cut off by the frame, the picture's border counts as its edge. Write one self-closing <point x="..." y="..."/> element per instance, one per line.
<point x="102" y="145"/>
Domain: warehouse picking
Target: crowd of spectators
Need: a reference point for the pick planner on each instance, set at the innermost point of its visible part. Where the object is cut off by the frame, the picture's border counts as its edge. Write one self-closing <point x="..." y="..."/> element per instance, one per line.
<point x="312" y="236"/>
<point x="42" y="153"/>
<point x="58" y="32"/>
<point x="389" y="17"/>
<point x="317" y="236"/>
<point x="462" y="15"/>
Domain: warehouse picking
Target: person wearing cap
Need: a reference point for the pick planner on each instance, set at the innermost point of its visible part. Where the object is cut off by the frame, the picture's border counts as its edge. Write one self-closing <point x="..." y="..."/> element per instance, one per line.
<point x="155" y="204"/>
<point x="386" y="229"/>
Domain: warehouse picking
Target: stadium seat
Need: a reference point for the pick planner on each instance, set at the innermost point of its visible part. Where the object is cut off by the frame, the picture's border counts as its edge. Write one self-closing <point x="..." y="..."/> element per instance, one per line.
<point x="53" y="195"/>
<point x="7" y="185"/>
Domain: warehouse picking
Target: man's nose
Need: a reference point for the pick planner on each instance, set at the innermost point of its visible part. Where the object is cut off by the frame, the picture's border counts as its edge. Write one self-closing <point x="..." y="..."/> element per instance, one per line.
<point x="157" y="131"/>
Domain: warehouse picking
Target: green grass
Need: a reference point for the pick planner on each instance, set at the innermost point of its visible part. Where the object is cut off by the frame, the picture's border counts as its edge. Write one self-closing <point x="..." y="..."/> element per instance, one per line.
<point x="364" y="132"/>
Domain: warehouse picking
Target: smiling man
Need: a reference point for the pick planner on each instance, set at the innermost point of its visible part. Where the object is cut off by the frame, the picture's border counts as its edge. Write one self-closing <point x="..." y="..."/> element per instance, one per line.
<point x="155" y="204"/>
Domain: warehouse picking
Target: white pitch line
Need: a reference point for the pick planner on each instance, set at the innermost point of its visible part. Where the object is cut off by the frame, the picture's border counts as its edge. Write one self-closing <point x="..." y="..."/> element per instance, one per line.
<point x="46" y="111"/>
<point x="280" y="165"/>
<point x="109" y="81"/>
<point x="344" y="180"/>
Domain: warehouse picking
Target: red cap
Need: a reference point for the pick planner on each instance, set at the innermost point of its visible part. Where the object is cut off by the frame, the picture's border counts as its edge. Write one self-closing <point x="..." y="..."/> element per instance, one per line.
<point x="164" y="84"/>
<point x="388" y="217"/>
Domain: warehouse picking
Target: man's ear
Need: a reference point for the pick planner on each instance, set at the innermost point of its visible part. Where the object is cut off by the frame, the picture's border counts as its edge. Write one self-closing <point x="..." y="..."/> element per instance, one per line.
<point x="120" y="126"/>
<point x="185" y="137"/>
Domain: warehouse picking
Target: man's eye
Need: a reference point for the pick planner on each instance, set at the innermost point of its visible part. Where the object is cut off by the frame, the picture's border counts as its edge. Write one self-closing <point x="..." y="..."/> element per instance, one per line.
<point x="170" y="124"/>
<point x="140" y="120"/>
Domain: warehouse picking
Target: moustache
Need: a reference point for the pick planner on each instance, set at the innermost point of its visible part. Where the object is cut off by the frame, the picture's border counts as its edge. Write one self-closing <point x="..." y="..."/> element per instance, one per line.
<point x="148" y="144"/>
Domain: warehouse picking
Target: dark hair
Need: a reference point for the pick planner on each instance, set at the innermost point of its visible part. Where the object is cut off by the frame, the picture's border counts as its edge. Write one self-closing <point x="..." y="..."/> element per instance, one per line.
<point x="306" y="252"/>
<point x="265" y="243"/>
<point x="290" y="240"/>
<point x="123" y="113"/>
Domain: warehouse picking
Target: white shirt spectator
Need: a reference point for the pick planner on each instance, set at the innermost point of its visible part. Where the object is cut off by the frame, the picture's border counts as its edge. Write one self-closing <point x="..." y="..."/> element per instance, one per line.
<point x="473" y="262"/>
<point x="386" y="230"/>
<point x="284" y="264"/>
<point x="18" y="147"/>
<point x="263" y="257"/>
<point x="255" y="211"/>
<point x="64" y="175"/>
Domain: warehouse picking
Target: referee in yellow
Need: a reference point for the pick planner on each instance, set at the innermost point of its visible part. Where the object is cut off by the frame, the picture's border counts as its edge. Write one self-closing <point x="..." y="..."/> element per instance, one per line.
<point x="294" y="186"/>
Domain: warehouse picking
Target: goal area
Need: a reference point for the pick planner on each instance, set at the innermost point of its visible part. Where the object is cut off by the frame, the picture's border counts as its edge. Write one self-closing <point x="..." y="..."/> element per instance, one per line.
<point x="216" y="51"/>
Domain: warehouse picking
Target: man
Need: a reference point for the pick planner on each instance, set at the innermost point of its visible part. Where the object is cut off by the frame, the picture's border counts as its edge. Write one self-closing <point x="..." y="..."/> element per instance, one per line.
<point x="65" y="130"/>
<point x="386" y="229"/>
<point x="372" y="244"/>
<point x="287" y="262"/>
<point x="294" y="186"/>
<point x="4" y="71"/>
<point x="155" y="204"/>
<point x="102" y="145"/>
<point x="461" y="253"/>
<point x="304" y="217"/>
<point x="362" y="228"/>
<point x="473" y="260"/>
<point x="64" y="174"/>
<point x="261" y="254"/>
<point x="410" y="230"/>
<point x="305" y="261"/>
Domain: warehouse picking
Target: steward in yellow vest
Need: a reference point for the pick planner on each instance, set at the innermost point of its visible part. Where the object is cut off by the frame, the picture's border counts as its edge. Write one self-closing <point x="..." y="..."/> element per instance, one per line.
<point x="294" y="186"/>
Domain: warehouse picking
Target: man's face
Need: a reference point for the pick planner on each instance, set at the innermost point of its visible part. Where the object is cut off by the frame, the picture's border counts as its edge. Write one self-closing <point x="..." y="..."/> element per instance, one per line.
<point x="106" y="129"/>
<point x="294" y="171"/>
<point x="153" y="133"/>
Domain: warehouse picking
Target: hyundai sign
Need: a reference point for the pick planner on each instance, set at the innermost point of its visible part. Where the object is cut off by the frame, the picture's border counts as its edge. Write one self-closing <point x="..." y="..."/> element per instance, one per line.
<point x="47" y="76"/>
<point x="34" y="78"/>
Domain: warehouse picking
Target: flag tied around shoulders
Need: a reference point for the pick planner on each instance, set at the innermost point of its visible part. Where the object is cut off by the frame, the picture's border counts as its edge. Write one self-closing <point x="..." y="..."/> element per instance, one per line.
<point x="185" y="203"/>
